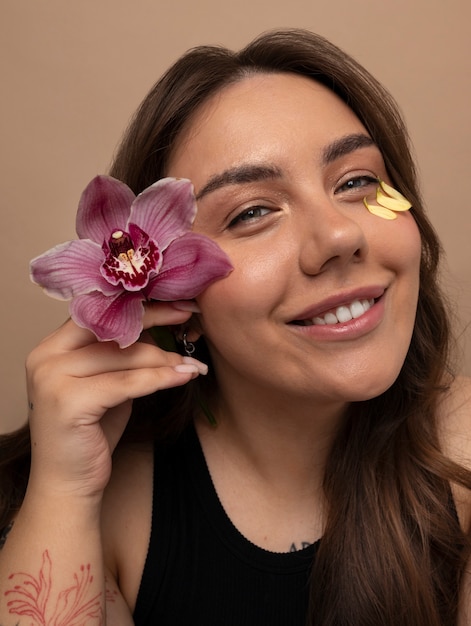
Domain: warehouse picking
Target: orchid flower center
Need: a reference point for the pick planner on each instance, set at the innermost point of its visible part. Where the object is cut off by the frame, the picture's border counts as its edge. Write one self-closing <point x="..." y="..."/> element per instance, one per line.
<point x="121" y="246"/>
<point x="130" y="258"/>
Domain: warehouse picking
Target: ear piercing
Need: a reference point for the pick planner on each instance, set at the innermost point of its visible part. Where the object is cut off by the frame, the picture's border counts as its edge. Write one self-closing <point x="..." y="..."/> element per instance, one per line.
<point x="188" y="346"/>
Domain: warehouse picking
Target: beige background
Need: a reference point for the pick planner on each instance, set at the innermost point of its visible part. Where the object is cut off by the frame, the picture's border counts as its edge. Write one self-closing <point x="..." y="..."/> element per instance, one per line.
<point x="73" y="72"/>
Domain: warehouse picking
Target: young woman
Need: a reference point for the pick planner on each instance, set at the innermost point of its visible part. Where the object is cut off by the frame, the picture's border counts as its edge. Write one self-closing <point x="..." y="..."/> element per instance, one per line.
<point x="334" y="487"/>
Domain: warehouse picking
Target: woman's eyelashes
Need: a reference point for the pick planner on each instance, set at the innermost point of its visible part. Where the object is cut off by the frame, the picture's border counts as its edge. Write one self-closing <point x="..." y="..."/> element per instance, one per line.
<point x="357" y="183"/>
<point x="250" y="215"/>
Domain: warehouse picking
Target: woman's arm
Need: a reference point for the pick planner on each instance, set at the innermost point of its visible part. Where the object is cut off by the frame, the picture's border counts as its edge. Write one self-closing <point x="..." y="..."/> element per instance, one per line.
<point x="52" y="568"/>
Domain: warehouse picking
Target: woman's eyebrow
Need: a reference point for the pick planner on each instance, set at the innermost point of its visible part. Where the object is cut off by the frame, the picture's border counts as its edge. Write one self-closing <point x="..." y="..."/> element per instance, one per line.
<point x="249" y="173"/>
<point x="240" y="174"/>
<point x="345" y="145"/>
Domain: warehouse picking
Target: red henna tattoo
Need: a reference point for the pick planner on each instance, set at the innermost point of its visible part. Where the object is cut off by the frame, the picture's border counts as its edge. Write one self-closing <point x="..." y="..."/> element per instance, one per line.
<point x="110" y="594"/>
<point x="32" y="597"/>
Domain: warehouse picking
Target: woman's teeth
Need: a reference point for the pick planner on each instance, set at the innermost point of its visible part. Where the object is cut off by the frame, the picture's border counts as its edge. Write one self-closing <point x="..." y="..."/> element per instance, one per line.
<point x="341" y="314"/>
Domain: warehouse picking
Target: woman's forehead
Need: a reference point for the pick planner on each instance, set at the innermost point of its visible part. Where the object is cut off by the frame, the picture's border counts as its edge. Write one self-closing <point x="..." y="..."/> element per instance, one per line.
<point x="251" y="116"/>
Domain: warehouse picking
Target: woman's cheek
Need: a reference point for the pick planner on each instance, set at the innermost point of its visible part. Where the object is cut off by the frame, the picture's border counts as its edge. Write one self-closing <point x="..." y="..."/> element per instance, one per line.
<point x="396" y="244"/>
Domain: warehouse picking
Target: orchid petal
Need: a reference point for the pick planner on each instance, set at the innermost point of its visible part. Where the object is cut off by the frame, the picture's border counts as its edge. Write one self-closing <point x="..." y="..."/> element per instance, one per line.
<point x="165" y="210"/>
<point x="104" y="207"/>
<point x="191" y="263"/>
<point x="385" y="213"/>
<point x="70" y="269"/>
<point x="111" y="319"/>
<point x="395" y="204"/>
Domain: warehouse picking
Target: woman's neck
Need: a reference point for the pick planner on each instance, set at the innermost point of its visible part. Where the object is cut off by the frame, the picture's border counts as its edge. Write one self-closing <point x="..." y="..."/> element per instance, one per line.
<point x="267" y="462"/>
<point x="284" y="441"/>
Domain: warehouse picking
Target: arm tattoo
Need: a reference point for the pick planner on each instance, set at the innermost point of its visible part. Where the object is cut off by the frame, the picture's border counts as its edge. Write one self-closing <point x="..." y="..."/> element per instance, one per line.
<point x="4" y="534"/>
<point x="31" y="597"/>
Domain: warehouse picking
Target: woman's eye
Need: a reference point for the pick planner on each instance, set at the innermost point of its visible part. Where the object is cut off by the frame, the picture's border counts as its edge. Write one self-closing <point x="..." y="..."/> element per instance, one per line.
<point x="255" y="212"/>
<point x="358" y="182"/>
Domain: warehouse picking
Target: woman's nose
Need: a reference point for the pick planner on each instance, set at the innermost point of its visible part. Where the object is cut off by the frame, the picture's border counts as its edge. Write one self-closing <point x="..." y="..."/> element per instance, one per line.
<point x="331" y="239"/>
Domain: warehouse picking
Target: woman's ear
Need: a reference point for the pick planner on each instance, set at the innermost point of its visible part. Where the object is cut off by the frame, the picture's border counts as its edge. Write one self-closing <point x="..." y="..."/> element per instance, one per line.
<point x="192" y="334"/>
<point x="191" y="330"/>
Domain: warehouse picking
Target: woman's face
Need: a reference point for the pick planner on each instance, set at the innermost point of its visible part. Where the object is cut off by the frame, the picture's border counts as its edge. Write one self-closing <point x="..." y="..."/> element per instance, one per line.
<point x="280" y="167"/>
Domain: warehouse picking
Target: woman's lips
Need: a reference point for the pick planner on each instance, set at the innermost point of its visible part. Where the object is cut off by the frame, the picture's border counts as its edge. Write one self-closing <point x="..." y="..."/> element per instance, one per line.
<point x="337" y="302"/>
<point x="344" y="317"/>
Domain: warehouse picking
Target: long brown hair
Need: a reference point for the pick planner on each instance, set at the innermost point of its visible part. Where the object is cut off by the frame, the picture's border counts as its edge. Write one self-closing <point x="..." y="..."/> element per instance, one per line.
<point x="393" y="551"/>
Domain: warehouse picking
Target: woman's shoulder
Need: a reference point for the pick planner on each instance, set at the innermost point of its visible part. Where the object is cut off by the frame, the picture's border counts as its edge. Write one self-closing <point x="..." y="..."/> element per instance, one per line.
<point x="126" y="517"/>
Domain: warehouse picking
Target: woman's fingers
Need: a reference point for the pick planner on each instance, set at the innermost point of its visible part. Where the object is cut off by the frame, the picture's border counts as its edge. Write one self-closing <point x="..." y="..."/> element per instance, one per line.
<point x="76" y="351"/>
<point x="109" y="357"/>
<point x="70" y="336"/>
<point x="92" y="397"/>
<point x="114" y="388"/>
<point x="72" y="376"/>
<point x="97" y="358"/>
<point x="87" y="378"/>
<point x="168" y="313"/>
<point x="90" y="380"/>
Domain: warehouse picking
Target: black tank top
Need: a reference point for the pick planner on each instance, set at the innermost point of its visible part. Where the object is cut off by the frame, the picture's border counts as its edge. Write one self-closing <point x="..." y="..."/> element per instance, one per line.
<point x="199" y="568"/>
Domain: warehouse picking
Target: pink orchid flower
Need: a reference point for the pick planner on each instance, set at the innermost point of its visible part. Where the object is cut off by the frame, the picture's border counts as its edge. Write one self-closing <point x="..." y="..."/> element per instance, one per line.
<point x="130" y="250"/>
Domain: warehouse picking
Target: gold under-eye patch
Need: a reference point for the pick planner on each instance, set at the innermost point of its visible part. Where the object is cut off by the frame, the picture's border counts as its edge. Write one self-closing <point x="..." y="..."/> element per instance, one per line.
<point x="389" y="202"/>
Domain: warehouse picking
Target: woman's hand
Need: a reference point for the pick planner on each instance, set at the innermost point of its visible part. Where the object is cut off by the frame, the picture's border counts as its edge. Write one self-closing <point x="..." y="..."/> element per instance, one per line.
<point x="80" y="393"/>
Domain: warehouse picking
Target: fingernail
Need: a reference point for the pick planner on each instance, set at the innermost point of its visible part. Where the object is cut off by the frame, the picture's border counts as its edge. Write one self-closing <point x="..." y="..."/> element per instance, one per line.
<point x="186" y="305"/>
<point x="202" y="367"/>
<point x="186" y="368"/>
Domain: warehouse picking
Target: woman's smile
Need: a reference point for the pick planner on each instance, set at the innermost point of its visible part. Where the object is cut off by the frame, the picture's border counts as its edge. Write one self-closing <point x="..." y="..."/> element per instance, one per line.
<point x="351" y="319"/>
<point x="340" y="308"/>
<point x="340" y="315"/>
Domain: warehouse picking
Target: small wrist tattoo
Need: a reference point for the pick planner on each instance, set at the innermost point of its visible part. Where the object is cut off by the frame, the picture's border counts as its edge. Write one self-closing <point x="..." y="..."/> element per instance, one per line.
<point x="31" y="406"/>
